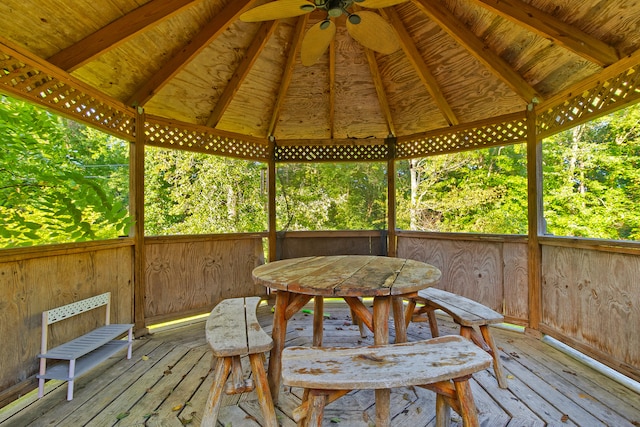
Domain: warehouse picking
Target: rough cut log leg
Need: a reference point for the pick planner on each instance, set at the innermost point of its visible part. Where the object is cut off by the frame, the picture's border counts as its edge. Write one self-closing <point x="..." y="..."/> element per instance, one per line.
<point x="317" y="400"/>
<point x="279" y="336"/>
<point x="398" y="319"/>
<point x="223" y="367"/>
<point x="468" y="410"/>
<point x="381" y="336"/>
<point x="262" y="390"/>
<point x="443" y="412"/>
<point x="318" y="320"/>
<point x="497" y="365"/>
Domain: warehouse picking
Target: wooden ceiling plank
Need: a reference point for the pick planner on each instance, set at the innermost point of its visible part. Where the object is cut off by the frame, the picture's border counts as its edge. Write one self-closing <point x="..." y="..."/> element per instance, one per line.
<point x="551" y="27"/>
<point x="181" y="59"/>
<point x="382" y="95"/>
<point x="251" y="55"/>
<point x="117" y="32"/>
<point x="476" y="47"/>
<point x="288" y="71"/>
<point x="414" y="56"/>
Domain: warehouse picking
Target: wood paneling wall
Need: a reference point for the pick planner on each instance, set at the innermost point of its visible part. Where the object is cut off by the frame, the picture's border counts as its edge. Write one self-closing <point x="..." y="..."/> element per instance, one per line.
<point x="492" y="271"/>
<point x="188" y="275"/>
<point x="295" y="244"/>
<point x="33" y="280"/>
<point x="591" y="301"/>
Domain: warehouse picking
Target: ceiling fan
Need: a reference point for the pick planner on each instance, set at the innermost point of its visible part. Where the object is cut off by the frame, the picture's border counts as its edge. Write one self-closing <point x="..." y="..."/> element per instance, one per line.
<point x="366" y="27"/>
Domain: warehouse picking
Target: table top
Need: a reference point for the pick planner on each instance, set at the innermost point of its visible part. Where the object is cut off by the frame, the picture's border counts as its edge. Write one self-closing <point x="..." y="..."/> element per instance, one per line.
<point x="347" y="275"/>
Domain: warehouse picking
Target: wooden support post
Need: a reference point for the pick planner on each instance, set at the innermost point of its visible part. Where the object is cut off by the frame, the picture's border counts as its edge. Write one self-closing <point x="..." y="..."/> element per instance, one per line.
<point x="391" y="198"/>
<point x="271" y="203"/>
<point x="535" y="218"/>
<point x="136" y="206"/>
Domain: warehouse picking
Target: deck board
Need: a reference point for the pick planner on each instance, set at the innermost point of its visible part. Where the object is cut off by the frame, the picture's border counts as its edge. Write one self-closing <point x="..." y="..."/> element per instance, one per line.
<point x="167" y="381"/>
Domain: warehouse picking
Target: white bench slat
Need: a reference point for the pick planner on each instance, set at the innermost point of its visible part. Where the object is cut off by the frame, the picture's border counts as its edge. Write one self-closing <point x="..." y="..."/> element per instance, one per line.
<point x="86" y="362"/>
<point x="87" y="343"/>
<point x="465" y="310"/>
<point x="69" y="310"/>
<point x="382" y="367"/>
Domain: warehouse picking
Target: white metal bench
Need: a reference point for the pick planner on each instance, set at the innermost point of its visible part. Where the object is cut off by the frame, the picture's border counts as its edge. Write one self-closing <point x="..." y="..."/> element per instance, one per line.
<point x="84" y="352"/>
<point x="232" y="331"/>
<point x="466" y="313"/>
<point x="443" y="365"/>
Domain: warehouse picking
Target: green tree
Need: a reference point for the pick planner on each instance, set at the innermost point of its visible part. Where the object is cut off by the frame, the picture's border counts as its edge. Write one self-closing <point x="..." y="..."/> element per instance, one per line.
<point x="59" y="181"/>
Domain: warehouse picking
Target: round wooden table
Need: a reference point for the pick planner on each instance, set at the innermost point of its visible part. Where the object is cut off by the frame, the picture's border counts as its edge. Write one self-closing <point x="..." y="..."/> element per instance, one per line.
<point x="351" y="277"/>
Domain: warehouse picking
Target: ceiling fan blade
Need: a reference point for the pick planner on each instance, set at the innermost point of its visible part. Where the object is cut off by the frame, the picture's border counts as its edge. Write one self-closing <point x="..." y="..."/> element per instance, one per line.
<point x="277" y="10"/>
<point x="316" y="41"/>
<point x="373" y="32"/>
<point x="377" y="4"/>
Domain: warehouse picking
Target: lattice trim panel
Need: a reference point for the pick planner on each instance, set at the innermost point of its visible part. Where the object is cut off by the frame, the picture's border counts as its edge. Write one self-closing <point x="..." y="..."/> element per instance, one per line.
<point x="28" y="82"/>
<point x="60" y="313"/>
<point x="332" y="153"/>
<point x="608" y="95"/>
<point x="194" y="138"/>
<point x="510" y="130"/>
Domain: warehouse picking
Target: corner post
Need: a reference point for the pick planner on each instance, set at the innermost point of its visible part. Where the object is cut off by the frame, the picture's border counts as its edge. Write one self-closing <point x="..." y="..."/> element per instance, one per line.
<point x="391" y="196"/>
<point x="271" y="203"/>
<point x="136" y="189"/>
<point x="535" y="218"/>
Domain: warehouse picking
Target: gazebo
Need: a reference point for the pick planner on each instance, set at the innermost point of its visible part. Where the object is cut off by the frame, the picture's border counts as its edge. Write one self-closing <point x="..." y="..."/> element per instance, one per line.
<point x="193" y="75"/>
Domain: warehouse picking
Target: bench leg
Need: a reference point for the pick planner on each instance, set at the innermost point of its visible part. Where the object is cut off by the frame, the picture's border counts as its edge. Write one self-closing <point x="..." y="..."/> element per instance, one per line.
<point x="262" y="390"/>
<point x="72" y="374"/>
<point x="443" y="412"/>
<point x="397" y="305"/>
<point x="468" y="410"/>
<point x="317" y="399"/>
<point x="497" y="365"/>
<point x="223" y="367"/>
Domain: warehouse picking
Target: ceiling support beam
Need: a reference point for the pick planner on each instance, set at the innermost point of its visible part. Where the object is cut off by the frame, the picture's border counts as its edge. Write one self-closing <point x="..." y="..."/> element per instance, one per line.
<point x="288" y="72"/>
<point x="413" y="55"/>
<point x="251" y="55"/>
<point x="466" y="38"/>
<point x="181" y="59"/>
<point x="117" y="32"/>
<point x="548" y="26"/>
<point x="382" y="95"/>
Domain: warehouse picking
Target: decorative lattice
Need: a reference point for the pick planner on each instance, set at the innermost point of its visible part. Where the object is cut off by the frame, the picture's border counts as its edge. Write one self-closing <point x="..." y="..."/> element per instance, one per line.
<point x="198" y="138"/>
<point x="28" y="82"/>
<point x="69" y="310"/>
<point x="607" y="95"/>
<point x="509" y="130"/>
<point x="332" y="153"/>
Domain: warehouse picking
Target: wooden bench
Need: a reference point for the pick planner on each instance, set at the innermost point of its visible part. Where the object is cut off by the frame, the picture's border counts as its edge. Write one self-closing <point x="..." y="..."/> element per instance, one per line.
<point x="84" y="352"/>
<point x="442" y="364"/>
<point x="232" y="331"/>
<point x="466" y="313"/>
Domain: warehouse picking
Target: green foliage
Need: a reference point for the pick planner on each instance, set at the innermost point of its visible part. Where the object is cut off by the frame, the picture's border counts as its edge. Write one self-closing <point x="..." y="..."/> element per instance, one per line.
<point x="331" y="196"/>
<point x="592" y="178"/>
<point x="192" y="193"/>
<point x="59" y="181"/>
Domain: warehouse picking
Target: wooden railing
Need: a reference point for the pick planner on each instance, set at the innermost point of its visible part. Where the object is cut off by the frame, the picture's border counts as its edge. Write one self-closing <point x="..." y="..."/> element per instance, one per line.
<point x="589" y="287"/>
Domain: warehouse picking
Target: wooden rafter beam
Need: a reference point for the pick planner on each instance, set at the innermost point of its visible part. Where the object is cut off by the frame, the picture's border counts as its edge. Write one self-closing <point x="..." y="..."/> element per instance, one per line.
<point x="251" y="55"/>
<point x="382" y="95"/>
<point x="288" y="71"/>
<point x="213" y="29"/>
<point x="551" y="27"/>
<point x="117" y="32"/>
<point x="332" y="87"/>
<point x="414" y="56"/>
<point x="476" y="47"/>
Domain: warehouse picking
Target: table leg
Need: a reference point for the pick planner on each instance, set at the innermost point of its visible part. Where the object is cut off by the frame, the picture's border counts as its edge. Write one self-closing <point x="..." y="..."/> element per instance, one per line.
<point x="318" y="320"/>
<point x="381" y="336"/>
<point x="398" y="319"/>
<point x="279" y="334"/>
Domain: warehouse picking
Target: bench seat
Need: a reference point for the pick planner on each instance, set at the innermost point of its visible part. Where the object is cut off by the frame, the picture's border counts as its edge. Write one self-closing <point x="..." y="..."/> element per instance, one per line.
<point x="232" y="330"/>
<point x="442" y="364"/>
<point x="465" y="312"/>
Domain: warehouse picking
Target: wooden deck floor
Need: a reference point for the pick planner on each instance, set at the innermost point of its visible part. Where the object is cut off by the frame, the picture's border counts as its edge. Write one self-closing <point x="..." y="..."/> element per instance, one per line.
<point x="167" y="382"/>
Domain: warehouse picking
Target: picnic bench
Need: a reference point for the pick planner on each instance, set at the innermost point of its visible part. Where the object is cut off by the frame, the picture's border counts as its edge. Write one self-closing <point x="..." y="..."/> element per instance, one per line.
<point x="443" y="365"/>
<point x="232" y="330"/>
<point x="466" y="313"/>
<point x="84" y="352"/>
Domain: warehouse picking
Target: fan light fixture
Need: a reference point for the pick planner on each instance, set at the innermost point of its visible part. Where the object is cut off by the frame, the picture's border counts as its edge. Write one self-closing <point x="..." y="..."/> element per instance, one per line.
<point x="366" y="27"/>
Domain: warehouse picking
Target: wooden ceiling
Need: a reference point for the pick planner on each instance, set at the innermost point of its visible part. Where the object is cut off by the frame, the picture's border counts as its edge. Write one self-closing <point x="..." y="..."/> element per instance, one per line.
<point x="194" y="61"/>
